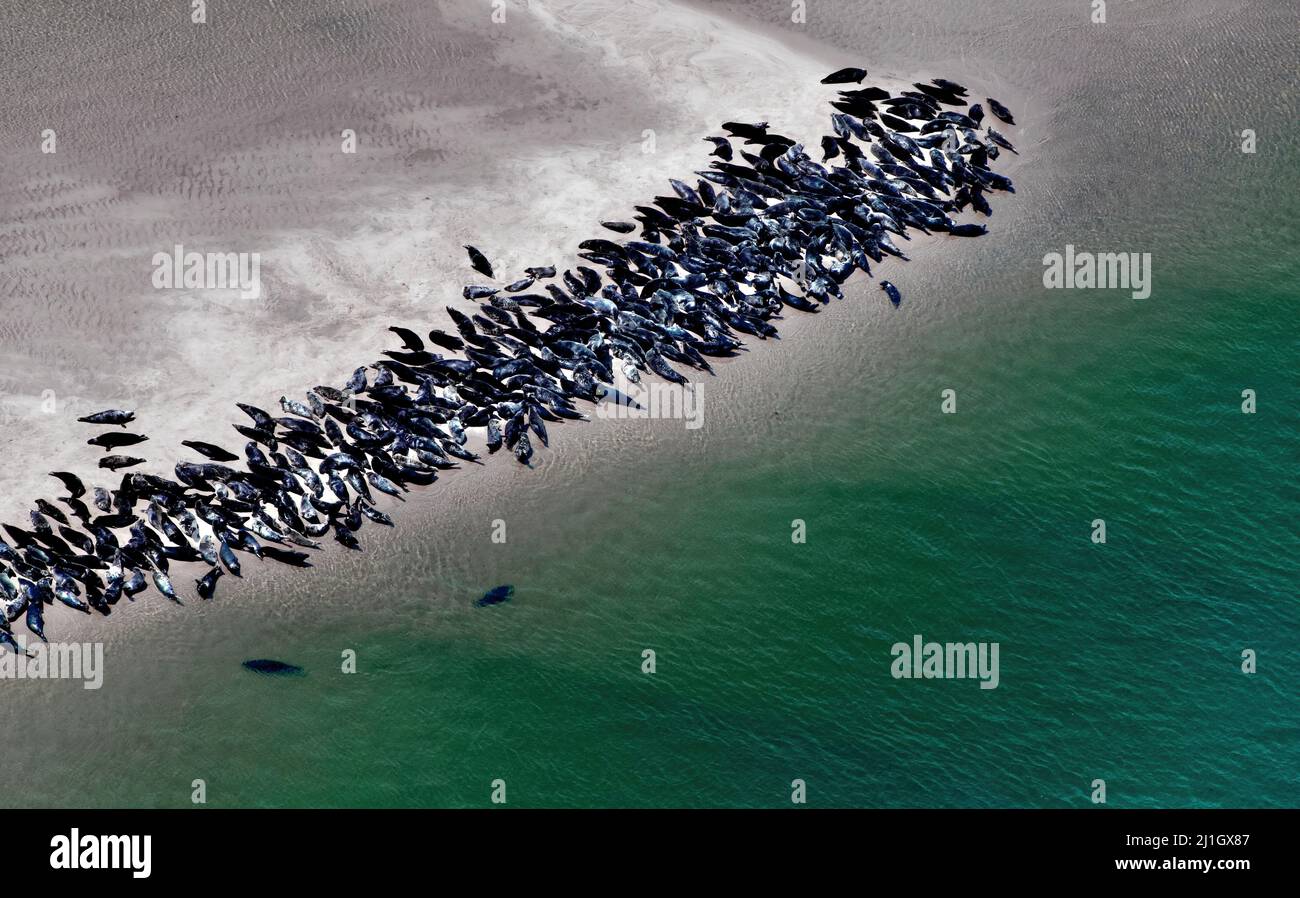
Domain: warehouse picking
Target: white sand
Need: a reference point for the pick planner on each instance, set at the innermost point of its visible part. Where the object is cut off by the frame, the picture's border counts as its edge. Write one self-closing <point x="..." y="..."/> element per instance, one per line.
<point x="517" y="137"/>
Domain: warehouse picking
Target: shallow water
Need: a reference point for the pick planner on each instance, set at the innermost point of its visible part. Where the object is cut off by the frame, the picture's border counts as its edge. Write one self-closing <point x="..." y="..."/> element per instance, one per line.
<point x="1118" y="661"/>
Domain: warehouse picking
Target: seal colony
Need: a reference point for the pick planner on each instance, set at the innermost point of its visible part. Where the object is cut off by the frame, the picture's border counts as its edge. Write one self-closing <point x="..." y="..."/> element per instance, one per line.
<point x="771" y="229"/>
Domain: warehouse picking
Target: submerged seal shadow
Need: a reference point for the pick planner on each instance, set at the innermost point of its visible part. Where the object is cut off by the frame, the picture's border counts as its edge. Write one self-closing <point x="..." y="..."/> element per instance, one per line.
<point x="495" y="596"/>
<point x="272" y="667"/>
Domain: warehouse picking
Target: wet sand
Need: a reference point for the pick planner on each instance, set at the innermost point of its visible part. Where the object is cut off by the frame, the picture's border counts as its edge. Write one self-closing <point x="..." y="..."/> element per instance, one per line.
<point x="517" y="137"/>
<point x="644" y="533"/>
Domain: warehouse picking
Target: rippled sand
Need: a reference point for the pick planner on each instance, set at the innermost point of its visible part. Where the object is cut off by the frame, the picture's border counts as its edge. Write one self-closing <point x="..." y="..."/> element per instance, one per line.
<point x="516" y="136"/>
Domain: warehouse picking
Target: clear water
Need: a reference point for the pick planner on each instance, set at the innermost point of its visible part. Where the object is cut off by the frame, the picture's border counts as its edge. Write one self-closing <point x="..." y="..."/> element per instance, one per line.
<point x="1118" y="661"/>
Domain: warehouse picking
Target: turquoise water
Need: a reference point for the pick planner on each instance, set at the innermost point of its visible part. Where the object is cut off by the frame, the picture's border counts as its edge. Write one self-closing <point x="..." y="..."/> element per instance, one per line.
<point x="1118" y="661"/>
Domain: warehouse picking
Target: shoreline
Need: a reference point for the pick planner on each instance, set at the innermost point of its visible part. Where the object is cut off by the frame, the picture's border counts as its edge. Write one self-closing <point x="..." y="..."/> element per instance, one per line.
<point x="66" y="625"/>
<point x="773" y="657"/>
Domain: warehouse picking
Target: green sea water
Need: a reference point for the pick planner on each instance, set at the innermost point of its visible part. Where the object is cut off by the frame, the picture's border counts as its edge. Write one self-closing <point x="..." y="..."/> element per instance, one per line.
<point x="1119" y="661"/>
